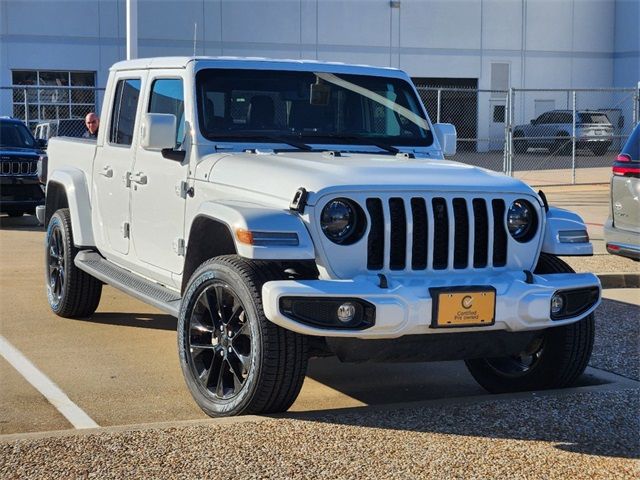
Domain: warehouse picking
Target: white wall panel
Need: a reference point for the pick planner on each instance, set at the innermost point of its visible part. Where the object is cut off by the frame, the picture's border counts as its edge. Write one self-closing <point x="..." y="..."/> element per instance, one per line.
<point x="501" y="25"/>
<point x="356" y="23"/>
<point x="593" y="26"/>
<point x="441" y="65"/>
<point x="549" y="25"/>
<point x="60" y="17"/>
<point x="441" y="24"/>
<point x="276" y="21"/>
<point x="169" y="20"/>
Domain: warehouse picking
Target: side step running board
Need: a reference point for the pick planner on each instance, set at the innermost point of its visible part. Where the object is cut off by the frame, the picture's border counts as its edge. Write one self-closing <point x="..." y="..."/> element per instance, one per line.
<point x="149" y="292"/>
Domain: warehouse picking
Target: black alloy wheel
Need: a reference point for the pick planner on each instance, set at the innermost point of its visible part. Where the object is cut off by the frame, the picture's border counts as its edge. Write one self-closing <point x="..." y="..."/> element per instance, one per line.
<point x="555" y="359"/>
<point x="55" y="263"/>
<point x="234" y="360"/>
<point x="71" y="292"/>
<point x="219" y="341"/>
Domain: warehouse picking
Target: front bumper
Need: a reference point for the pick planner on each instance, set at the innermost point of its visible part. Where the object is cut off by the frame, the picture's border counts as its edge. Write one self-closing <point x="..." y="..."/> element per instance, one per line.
<point x="405" y="307"/>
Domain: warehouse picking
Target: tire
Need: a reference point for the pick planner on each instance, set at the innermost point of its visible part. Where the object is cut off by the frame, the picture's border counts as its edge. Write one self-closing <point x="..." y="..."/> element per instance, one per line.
<point x="562" y="146"/>
<point x="519" y="146"/>
<point x="71" y="292"/>
<point x="599" y="149"/>
<point x="554" y="360"/>
<point x="257" y="366"/>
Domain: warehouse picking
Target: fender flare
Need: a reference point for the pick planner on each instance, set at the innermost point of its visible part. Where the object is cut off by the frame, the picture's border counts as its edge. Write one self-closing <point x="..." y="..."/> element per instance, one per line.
<point x="257" y="218"/>
<point x="74" y="184"/>
<point x="561" y="220"/>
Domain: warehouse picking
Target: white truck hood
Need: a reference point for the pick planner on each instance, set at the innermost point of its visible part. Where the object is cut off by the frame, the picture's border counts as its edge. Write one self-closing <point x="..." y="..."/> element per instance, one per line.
<point x="280" y="175"/>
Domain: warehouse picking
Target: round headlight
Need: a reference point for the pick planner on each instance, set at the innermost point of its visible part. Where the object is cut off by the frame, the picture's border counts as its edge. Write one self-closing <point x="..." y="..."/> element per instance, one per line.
<point x="342" y="221"/>
<point x="521" y="220"/>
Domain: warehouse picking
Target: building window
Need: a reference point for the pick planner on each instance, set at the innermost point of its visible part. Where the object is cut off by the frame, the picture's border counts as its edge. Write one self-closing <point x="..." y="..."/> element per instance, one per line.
<point x="49" y="95"/>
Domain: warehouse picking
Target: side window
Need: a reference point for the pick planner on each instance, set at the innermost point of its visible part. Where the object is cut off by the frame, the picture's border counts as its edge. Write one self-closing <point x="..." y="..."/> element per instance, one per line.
<point x="544" y="118"/>
<point x="167" y="97"/>
<point x="123" y="115"/>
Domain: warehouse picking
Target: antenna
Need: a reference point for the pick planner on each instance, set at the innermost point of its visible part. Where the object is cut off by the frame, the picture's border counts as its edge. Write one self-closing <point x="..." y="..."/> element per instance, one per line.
<point x="195" y="36"/>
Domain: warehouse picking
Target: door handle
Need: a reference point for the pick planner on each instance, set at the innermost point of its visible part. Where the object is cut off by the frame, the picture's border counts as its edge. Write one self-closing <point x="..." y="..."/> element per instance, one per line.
<point x="139" y="178"/>
<point x="107" y="171"/>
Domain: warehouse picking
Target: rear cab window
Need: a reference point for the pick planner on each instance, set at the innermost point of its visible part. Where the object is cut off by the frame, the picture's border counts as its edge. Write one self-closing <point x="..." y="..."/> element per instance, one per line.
<point x="123" y="115"/>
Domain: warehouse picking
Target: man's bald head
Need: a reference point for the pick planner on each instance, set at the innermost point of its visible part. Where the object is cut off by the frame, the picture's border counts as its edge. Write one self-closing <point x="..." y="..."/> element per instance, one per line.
<point x="92" y="122"/>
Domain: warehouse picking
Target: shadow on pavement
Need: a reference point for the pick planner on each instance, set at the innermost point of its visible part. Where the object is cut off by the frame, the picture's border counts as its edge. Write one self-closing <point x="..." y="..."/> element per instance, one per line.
<point x="26" y="223"/>
<point x="155" y="321"/>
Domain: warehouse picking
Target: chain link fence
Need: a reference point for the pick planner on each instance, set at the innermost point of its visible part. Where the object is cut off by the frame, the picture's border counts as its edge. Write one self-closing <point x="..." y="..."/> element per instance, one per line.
<point x="50" y="111"/>
<point x="547" y="136"/>
<point x="550" y="136"/>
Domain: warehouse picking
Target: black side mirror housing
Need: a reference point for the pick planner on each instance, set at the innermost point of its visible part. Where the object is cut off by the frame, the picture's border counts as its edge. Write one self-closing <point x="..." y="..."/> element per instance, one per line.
<point x="41" y="143"/>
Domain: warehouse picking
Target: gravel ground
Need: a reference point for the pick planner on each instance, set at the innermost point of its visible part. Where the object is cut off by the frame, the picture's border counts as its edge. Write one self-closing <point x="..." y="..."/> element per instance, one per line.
<point x="539" y="437"/>
<point x="603" y="264"/>
<point x="616" y="347"/>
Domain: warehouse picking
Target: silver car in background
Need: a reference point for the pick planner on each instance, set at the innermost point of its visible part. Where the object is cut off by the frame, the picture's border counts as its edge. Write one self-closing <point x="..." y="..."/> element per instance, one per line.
<point x="622" y="229"/>
<point x="553" y="130"/>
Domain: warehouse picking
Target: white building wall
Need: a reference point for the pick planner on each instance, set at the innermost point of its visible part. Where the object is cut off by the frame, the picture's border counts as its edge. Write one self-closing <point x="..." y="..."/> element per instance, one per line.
<point x="547" y="43"/>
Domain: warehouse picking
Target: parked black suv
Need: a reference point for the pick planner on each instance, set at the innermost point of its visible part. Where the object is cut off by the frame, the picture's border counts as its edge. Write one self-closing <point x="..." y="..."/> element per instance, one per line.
<point x="20" y="190"/>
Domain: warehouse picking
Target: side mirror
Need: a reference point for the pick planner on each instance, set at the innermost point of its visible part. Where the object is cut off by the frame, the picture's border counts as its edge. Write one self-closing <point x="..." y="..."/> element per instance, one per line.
<point x="447" y="137"/>
<point x="158" y="131"/>
<point x="41" y="143"/>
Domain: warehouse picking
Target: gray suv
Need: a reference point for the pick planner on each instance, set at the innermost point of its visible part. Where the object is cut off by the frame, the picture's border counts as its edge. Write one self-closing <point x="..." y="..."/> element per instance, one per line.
<point x="553" y="130"/>
<point x="622" y="230"/>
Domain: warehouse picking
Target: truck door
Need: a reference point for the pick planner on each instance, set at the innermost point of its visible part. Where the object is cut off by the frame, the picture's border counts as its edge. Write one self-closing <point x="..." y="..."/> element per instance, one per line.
<point x="112" y="165"/>
<point x="158" y="182"/>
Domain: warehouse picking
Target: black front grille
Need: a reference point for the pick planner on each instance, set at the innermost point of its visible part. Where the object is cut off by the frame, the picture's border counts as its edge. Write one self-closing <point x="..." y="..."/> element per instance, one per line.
<point x="500" y="234"/>
<point x="398" y="234"/>
<point x="375" y="242"/>
<point x="440" y="234"/>
<point x="458" y="225"/>
<point x="18" y="167"/>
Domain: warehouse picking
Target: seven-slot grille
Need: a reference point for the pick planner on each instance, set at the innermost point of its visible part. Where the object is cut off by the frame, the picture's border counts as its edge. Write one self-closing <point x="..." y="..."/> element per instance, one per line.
<point x="436" y="233"/>
<point x="18" y="166"/>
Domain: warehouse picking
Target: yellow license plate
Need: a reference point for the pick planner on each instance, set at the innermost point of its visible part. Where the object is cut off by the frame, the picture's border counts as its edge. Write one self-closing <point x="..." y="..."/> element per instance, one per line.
<point x="464" y="308"/>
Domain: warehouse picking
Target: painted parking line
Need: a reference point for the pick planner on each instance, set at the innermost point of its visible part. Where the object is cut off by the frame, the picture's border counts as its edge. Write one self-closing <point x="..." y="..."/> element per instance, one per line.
<point x="74" y="414"/>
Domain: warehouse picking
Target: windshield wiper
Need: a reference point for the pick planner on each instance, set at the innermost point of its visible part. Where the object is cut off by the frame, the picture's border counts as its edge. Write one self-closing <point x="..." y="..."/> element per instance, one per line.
<point x="359" y="140"/>
<point x="273" y="138"/>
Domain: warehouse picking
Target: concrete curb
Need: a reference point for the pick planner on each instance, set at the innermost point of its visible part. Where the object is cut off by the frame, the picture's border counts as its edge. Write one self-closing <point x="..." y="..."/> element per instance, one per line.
<point x="619" y="280"/>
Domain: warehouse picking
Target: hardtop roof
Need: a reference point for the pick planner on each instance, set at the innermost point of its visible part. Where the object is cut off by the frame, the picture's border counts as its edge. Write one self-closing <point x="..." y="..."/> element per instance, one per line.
<point x="254" y="62"/>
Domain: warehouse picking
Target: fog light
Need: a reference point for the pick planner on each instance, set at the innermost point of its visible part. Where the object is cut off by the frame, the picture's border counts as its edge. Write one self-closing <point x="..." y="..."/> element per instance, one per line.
<point x="557" y="304"/>
<point x="346" y="312"/>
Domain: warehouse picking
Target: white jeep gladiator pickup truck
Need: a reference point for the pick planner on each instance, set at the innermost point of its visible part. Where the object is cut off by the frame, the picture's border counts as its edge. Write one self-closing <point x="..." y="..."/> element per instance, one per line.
<point x="284" y="209"/>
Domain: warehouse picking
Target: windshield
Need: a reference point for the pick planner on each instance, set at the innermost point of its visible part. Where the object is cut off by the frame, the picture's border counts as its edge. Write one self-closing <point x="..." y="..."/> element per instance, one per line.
<point x="307" y="108"/>
<point x="15" y="135"/>
<point x="588" y="117"/>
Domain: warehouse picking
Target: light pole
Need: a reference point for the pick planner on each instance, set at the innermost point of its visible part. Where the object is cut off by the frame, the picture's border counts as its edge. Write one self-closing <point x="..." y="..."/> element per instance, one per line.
<point x="132" y="29"/>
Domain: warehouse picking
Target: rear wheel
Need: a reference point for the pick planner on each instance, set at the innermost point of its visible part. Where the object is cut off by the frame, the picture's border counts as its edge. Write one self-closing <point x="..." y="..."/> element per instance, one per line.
<point x="519" y="145"/>
<point x="553" y="360"/>
<point x="234" y="360"/>
<point x="71" y="292"/>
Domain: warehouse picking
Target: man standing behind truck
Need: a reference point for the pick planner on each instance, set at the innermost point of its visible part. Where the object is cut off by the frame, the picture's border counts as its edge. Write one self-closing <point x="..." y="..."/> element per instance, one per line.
<point x="92" y="122"/>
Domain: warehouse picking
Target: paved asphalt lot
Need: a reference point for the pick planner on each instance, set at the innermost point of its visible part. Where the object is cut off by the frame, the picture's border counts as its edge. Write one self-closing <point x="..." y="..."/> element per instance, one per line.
<point x="351" y="421"/>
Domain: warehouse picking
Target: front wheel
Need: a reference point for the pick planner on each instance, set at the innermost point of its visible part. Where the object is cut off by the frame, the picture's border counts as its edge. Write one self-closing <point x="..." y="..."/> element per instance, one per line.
<point x="234" y="360"/>
<point x="553" y="360"/>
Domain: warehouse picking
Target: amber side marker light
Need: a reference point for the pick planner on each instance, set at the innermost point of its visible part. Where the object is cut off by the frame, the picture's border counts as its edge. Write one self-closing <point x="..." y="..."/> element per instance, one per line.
<point x="266" y="239"/>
